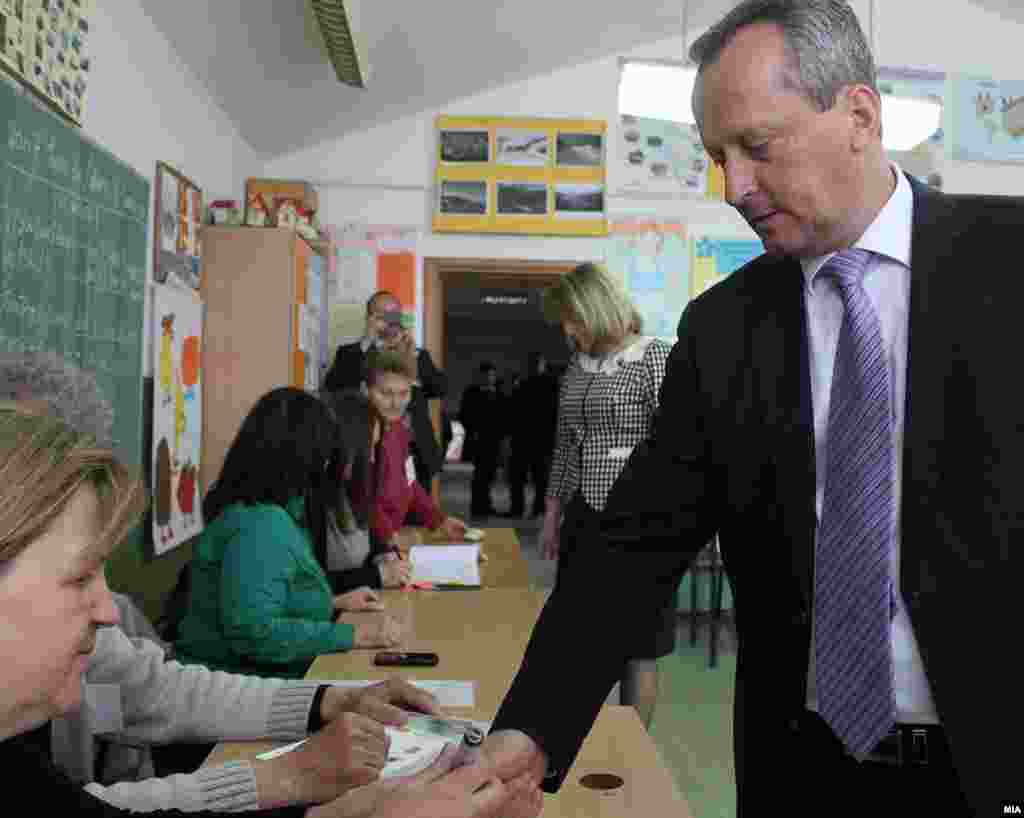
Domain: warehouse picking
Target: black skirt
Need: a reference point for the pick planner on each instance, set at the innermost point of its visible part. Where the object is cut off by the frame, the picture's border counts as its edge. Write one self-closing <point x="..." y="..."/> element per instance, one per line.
<point x="653" y="608"/>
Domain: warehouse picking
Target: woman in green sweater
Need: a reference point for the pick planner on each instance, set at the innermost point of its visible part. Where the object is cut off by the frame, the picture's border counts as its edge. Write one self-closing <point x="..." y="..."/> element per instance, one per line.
<point x="259" y="600"/>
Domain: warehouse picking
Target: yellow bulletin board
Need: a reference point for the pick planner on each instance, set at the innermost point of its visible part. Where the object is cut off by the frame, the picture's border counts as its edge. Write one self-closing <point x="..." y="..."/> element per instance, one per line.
<point x="521" y="175"/>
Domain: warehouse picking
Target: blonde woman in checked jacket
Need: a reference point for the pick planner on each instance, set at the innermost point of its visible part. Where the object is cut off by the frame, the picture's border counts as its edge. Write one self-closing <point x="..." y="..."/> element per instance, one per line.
<point x="607" y="404"/>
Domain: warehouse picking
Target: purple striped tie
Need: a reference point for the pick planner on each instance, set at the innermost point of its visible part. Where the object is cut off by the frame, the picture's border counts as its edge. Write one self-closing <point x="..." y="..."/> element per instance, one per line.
<point x="852" y="573"/>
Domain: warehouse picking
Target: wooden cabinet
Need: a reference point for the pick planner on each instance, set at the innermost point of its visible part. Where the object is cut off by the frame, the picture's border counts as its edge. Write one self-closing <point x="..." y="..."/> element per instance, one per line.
<point x="254" y="286"/>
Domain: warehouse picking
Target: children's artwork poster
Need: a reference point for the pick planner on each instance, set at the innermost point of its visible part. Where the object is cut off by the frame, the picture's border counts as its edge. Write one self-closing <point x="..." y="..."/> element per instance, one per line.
<point x="716" y="258"/>
<point x="177" y="416"/>
<point x="924" y="160"/>
<point x="664" y="158"/>
<point x="985" y="119"/>
<point x="47" y="44"/>
<point x="177" y="249"/>
<point x="652" y="260"/>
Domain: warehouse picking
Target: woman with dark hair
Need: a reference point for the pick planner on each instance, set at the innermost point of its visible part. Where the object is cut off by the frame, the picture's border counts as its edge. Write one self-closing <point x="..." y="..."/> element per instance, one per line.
<point x="259" y="600"/>
<point x="354" y="559"/>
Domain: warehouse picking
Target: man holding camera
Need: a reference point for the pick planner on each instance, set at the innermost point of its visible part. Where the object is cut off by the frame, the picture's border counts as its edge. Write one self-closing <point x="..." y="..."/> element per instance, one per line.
<point x="384" y="330"/>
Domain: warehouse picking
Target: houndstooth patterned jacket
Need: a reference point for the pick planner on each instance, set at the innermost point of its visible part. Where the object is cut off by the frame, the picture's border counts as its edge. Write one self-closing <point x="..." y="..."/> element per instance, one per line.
<point x="606" y="407"/>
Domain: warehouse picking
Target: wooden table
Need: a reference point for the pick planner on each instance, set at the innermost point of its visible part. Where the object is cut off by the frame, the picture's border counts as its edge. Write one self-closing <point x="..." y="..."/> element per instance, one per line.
<point x="618" y="744"/>
<point x="478" y="635"/>
<point x="505" y="566"/>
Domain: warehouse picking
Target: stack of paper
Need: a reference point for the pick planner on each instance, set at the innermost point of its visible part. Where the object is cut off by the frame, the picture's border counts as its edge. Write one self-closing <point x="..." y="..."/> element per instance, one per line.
<point x="446" y="564"/>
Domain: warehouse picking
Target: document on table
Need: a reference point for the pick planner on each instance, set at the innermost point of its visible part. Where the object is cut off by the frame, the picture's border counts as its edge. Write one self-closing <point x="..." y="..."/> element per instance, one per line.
<point x="445" y="564"/>
<point x="449" y="692"/>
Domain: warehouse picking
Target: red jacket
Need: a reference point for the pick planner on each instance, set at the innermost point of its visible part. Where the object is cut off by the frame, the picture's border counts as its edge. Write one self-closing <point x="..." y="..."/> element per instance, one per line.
<point x="398" y="493"/>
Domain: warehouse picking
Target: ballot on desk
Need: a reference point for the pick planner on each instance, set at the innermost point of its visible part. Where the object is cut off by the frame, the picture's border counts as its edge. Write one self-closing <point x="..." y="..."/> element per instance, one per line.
<point x="445" y="564"/>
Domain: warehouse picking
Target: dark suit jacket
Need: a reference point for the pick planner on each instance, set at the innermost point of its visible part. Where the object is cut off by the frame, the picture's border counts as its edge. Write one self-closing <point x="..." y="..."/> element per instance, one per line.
<point x="349" y="370"/>
<point x="733" y="453"/>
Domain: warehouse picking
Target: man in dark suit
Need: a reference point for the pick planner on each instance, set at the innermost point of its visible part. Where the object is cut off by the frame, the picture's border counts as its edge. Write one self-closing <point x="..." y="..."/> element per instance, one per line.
<point x="533" y="419"/>
<point x="383" y="329"/>
<point x="851" y="387"/>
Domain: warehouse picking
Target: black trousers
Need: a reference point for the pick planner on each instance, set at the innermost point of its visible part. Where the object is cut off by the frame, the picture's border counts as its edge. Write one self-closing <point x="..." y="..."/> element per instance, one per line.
<point x="485" y="469"/>
<point x="526" y="463"/>
<point x="826" y="781"/>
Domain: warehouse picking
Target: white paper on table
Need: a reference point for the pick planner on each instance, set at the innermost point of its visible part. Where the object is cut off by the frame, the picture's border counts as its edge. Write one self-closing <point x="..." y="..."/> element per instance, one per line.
<point x="449" y="692"/>
<point x="445" y="564"/>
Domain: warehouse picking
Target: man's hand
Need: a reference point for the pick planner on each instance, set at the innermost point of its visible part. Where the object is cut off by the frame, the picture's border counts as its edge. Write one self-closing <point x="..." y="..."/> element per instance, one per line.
<point x="349" y="752"/>
<point x="436" y="792"/>
<point x="513" y="754"/>
<point x="387" y="702"/>
<point x="361" y="599"/>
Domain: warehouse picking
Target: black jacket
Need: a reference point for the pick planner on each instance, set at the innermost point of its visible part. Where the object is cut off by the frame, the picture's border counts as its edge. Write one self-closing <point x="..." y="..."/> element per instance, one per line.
<point x="732" y="453"/>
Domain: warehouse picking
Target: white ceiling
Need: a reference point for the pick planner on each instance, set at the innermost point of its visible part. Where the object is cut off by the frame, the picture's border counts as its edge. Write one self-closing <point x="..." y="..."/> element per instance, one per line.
<point x="257" y="59"/>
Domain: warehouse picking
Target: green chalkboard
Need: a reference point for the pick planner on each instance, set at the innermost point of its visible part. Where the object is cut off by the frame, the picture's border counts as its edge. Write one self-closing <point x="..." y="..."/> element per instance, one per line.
<point x="73" y="255"/>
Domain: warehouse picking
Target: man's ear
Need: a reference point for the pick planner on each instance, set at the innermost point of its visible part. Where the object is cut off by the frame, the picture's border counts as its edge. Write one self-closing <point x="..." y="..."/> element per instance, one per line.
<point x="864" y="107"/>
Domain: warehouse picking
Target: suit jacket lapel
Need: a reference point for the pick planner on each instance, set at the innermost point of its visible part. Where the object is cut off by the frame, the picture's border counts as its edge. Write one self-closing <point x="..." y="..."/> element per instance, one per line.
<point x="932" y="237"/>
<point x="781" y="344"/>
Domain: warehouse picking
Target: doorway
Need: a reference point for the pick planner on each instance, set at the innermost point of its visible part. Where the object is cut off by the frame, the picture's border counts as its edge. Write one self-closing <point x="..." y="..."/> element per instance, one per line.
<point x="484" y="299"/>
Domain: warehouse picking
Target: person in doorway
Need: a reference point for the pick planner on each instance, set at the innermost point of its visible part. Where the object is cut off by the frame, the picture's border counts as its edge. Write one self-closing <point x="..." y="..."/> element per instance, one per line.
<point x="480" y="413"/>
<point x="532" y="433"/>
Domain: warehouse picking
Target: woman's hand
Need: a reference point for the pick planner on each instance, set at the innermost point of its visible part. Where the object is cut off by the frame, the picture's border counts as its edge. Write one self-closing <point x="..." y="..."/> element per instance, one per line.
<point x="454" y="529"/>
<point x="436" y="792"/>
<point x="394" y="573"/>
<point x="349" y="752"/>
<point x="550" y="530"/>
<point x="386" y="632"/>
<point x="361" y="599"/>
<point x="390" y="702"/>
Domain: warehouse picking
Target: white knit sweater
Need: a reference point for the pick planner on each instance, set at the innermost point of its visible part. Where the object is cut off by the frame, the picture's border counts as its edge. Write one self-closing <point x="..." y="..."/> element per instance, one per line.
<point x="164" y="701"/>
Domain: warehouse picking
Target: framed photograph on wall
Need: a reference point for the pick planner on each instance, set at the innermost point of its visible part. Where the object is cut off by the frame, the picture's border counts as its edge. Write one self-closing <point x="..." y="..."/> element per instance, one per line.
<point x="177" y="220"/>
<point x="521" y="176"/>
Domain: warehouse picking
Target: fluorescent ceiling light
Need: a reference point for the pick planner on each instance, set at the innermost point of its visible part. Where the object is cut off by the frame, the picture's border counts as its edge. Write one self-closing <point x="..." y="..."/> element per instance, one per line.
<point x="342" y="39"/>
<point x="659" y="90"/>
<point x="908" y="121"/>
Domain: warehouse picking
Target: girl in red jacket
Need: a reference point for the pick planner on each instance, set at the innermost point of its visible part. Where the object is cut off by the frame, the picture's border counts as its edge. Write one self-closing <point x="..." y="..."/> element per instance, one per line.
<point x="389" y="380"/>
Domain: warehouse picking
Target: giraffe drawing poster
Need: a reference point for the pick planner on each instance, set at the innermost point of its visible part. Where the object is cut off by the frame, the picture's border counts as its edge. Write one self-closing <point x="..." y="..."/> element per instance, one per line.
<point x="177" y="416"/>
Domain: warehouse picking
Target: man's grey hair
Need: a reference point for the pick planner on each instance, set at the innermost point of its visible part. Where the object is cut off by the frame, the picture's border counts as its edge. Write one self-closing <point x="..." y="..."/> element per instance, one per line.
<point x="827" y="47"/>
<point x="72" y="395"/>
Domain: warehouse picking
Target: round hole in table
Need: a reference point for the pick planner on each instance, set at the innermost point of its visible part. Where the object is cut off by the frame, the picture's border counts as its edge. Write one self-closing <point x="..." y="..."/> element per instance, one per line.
<point x="605" y="782"/>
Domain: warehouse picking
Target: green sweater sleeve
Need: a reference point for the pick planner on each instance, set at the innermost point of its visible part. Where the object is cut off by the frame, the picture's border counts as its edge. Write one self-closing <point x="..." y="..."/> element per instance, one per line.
<point x="276" y="603"/>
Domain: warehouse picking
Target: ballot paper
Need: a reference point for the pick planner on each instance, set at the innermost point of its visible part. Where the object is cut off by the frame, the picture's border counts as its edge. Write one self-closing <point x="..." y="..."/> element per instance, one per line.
<point x="449" y="692"/>
<point x="414" y="746"/>
<point x="445" y="564"/>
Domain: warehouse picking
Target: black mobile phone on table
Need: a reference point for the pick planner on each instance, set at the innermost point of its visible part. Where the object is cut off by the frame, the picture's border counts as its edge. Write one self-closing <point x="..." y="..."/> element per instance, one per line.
<point x="411" y="659"/>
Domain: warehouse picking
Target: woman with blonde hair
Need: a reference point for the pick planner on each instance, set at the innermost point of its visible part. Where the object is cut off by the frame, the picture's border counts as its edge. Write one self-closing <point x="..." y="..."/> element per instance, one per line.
<point x="65" y="503"/>
<point x="607" y="404"/>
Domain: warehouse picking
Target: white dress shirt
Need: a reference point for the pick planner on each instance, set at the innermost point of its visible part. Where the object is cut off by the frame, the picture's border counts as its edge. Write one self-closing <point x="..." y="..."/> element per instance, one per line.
<point x="887" y="282"/>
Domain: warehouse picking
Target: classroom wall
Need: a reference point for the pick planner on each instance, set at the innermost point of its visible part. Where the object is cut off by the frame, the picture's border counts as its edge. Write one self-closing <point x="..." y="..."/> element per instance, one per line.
<point x="384" y="174"/>
<point x="144" y="105"/>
